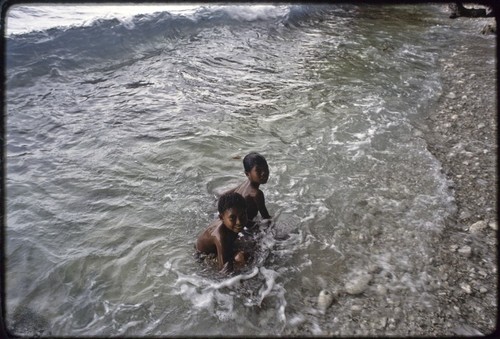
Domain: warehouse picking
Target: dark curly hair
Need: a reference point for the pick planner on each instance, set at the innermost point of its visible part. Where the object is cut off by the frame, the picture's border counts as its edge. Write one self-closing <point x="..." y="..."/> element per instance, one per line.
<point x="231" y="200"/>
<point x="252" y="159"/>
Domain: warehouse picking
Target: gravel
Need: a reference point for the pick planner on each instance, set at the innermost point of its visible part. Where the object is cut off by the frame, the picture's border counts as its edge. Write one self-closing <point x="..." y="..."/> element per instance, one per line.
<point x="462" y="136"/>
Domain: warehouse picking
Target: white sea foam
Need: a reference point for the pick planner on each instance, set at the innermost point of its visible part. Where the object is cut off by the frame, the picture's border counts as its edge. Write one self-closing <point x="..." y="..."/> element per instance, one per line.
<point x="231" y="282"/>
<point x="26" y="18"/>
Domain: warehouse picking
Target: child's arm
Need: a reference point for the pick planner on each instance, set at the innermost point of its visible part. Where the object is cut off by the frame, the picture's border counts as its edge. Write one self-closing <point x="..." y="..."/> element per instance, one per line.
<point x="261" y="205"/>
<point x="224" y="256"/>
<point x="220" y="256"/>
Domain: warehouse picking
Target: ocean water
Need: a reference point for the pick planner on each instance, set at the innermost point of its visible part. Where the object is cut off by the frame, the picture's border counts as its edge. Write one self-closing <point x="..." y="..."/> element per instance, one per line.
<point x="123" y="125"/>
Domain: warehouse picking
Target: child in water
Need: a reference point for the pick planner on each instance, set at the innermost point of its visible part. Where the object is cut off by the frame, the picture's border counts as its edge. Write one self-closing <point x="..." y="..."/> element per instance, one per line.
<point x="220" y="236"/>
<point x="257" y="172"/>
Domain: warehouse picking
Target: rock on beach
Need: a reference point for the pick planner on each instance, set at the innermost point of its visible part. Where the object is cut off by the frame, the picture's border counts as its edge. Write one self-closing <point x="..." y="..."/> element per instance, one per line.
<point x="493" y="225"/>
<point x="325" y="299"/>
<point x="465" y="251"/>
<point x="478" y="226"/>
<point x="358" y="284"/>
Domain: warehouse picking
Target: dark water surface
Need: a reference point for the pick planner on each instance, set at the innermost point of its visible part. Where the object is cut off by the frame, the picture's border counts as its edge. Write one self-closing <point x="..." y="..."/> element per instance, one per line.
<point x="120" y="135"/>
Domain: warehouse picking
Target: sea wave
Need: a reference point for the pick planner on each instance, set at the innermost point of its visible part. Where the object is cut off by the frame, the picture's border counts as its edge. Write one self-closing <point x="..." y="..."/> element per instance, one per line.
<point x="65" y="48"/>
<point x="57" y="49"/>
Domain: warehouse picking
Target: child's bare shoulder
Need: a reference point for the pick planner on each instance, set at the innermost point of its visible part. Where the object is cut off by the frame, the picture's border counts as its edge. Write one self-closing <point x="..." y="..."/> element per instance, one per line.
<point x="215" y="226"/>
<point x="259" y="194"/>
<point x="212" y="229"/>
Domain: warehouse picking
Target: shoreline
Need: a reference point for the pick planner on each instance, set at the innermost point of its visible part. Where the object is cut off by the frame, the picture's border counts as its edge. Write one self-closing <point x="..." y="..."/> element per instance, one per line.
<point x="461" y="134"/>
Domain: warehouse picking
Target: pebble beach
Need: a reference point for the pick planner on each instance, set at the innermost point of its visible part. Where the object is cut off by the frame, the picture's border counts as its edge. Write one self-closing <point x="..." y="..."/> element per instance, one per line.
<point x="462" y="134"/>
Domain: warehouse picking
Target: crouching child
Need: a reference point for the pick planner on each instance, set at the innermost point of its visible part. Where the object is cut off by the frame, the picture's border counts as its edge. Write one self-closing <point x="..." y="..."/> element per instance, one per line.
<point x="220" y="237"/>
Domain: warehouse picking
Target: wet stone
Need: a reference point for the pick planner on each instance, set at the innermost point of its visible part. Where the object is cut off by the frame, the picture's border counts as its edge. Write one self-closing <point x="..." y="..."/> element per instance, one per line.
<point x="356" y="308"/>
<point x="382" y="323"/>
<point x="465" y="251"/>
<point x="477" y="226"/>
<point x="325" y="299"/>
<point x="381" y="290"/>
<point x="464" y="215"/>
<point x="391" y="323"/>
<point x="475" y="284"/>
<point x="466" y="287"/>
<point x="359" y="284"/>
<point x="493" y="225"/>
<point x="373" y="268"/>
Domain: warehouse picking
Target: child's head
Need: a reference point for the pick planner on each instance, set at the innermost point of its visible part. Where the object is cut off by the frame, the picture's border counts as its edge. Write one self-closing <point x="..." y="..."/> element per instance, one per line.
<point x="233" y="211"/>
<point x="256" y="168"/>
<point x="253" y="159"/>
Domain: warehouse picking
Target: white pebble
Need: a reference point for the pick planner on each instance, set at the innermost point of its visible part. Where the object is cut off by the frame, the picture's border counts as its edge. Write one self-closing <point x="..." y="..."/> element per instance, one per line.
<point x="466" y="288"/>
<point x="356" y="308"/>
<point x="359" y="284"/>
<point x="477" y="226"/>
<point x="325" y="299"/>
<point x="466" y="250"/>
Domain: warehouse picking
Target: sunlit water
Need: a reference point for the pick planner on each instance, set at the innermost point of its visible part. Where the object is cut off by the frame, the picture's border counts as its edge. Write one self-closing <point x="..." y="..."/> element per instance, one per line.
<point x="120" y="135"/>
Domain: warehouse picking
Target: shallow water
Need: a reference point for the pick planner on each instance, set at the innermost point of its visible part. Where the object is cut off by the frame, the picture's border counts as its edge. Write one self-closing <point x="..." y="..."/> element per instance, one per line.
<point x="121" y="134"/>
